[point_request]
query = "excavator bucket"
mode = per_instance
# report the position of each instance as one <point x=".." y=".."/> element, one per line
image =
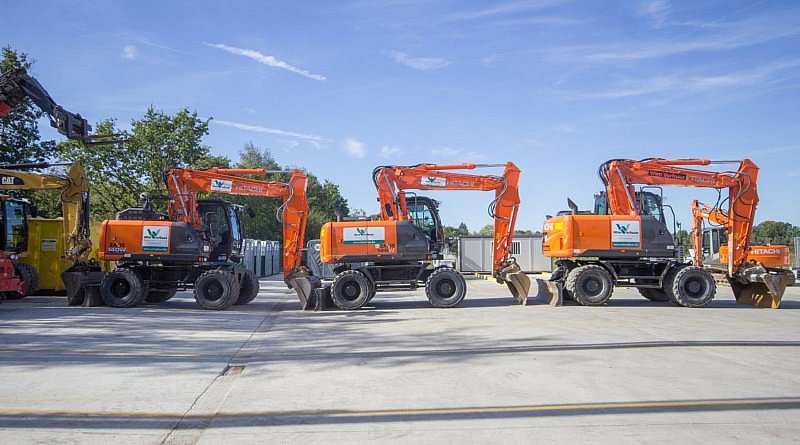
<point x="761" y="286"/>
<point x="305" y="284"/>
<point x="82" y="284"/>
<point x="517" y="281"/>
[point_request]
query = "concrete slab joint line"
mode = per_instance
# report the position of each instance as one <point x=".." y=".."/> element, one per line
<point x="193" y="423"/>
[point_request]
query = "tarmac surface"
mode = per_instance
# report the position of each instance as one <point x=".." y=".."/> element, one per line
<point x="400" y="371"/>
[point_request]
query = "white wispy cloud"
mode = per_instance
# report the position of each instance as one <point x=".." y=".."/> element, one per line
<point x="261" y="129"/>
<point x="354" y="148"/>
<point x="264" y="59"/>
<point x="456" y="155"/>
<point x="720" y="37"/>
<point x="501" y="9"/>
<point x="445" y="151"/>
<point x="656" y="11"/>
<point x="129" y="52"/>
<point x="768" y="74"/>
<point x="387" y="151"/>
<point x="419" y="63"/>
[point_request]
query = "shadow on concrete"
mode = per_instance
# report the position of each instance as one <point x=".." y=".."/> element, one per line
<point x="112" y="420"/>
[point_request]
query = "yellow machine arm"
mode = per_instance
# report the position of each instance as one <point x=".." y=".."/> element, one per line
<point x="74" y="188"/>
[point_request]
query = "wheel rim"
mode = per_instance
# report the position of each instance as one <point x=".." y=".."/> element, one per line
<point x="694" y="288"/>
<point x="592" y="287"/>
<point x="446" y="288"/>
<point x="120" y="288"/>
<point x="351" y="290"/>
<point x="213" y="291"/>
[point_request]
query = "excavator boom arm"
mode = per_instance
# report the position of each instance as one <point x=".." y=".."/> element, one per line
<point x="184" y="184"/>
<point x="16" y="85"/>
<point x="620" y="175"/>
<point x="74" y="189"/>
<point x="392" y="181"/>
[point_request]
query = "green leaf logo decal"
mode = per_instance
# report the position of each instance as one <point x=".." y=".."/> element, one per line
<point x="623" y="229"/>
<point x="153" y="233"/>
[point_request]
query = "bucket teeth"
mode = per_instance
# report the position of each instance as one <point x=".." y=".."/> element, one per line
<point x="760" y="286"/>
<point x="305" y="284"/>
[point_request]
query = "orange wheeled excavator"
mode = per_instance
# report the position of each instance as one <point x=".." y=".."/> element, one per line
<point x="198" y="243"/>
<point x="625" y="241"/>
<point x="710" y="244"/>
<point x="397" y="251"/>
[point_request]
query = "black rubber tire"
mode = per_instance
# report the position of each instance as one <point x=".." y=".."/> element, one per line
<point x="160" y="296"/>
<point x="445" y="288"/>
<point x="216" y="290"/>
<point x="654" y="294"/>
<point x="589" y="285"/>
<point x="123" y="288"/>
<point x="692" y="286"/>
<point x="248" y="287"/>
<point x="28" y="274"/>
<point x="350" y="290"/>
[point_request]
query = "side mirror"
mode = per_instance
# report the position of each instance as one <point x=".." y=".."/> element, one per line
<point x="33" y="211"/>
<point x="250" y="212"/>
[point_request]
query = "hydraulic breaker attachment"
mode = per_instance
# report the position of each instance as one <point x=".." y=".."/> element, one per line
<point x="82" y="282"/>
<point x="305" y="284"/>
<point x="518" y="283"/>
<point x="761" y="286"/>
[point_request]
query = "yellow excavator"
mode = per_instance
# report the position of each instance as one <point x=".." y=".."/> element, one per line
<point x="39" y="250"/>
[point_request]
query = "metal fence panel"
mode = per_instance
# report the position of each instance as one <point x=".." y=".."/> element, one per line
<point x="475" y="254"/>
<point x="262" y="257"/>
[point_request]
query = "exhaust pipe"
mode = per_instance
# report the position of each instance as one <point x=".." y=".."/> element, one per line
<point x="305" y="284"/>
<point x="761" y="286"/>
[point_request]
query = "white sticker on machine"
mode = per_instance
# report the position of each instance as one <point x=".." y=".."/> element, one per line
<point x="625" y="233"/>
<point x="364" y="235"/>
<point x="433" y="181"/>
<point x="155" y="238"/>
<point x="48" y="245"/>
<point x="221" y="185"/>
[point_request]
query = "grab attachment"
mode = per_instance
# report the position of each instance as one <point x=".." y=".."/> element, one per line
<point x="305" y="284"/>
<point x="761" y="286"/>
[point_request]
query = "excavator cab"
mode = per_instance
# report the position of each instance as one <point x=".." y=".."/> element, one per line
<point x="424" y="213"/>
<point x="222" y="221"/>
<point x="14" y="217"/>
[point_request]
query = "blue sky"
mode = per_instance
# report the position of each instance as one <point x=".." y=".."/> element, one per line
<point x="555" y="86"/>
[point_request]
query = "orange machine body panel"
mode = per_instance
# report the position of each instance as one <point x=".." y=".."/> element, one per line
<point x="568" y="236"/>
<point x="355" y="241"/>
<point x="769" y="256"/>
<point x="143" y="240"/>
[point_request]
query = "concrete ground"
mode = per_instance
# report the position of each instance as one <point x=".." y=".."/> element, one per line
<point x="489" y="371"/>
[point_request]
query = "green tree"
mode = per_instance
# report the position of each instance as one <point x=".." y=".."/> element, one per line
<point x="19" y="130"/>
<point x="120" y="172"/>
<point x="322" y="197"/>
<point x="453" y="232"/>
<point x="487" y="230"/>
<point x="682" y="238"/>
<point x="775" y="232"/>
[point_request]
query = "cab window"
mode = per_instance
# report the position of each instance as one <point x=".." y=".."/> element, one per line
<point x="422" y="216"/>
<point x="651" y="205"/>
<point x="15" y="236"/>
